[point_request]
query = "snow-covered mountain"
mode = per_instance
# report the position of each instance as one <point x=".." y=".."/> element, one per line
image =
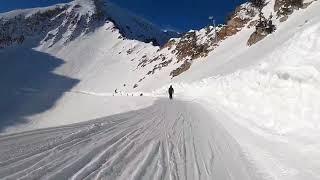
<point x="80" y="46"/>
<point x="257" y="75"/>
<point x="66" y="22"/>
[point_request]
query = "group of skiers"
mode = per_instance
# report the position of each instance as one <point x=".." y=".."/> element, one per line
<point x="170" y="91"/>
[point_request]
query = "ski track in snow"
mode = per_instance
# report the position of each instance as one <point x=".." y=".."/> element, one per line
<point x="169" y="140"/>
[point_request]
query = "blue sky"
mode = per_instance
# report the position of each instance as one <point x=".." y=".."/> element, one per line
<point x="180" y="15"/>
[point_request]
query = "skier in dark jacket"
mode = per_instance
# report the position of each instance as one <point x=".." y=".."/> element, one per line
<point x="171" y="91"/>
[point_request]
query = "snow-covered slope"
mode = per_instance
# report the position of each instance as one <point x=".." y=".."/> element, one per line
<point x="264" y="95"/>
<point x="271" y="92"/>
<point x="66" y="22"/>
<point x="82" y="46"/>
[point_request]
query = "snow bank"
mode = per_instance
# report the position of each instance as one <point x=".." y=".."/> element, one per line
<point x="278" y="95"/>
<point x="262" y="100"/>
<point x="299" y="57"/>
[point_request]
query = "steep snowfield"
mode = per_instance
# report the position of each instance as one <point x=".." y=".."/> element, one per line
<point x="281" y="72"/>
<point x="253" y="110"/>
<point x="73" y="52"/>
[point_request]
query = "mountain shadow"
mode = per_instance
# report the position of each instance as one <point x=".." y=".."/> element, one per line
<point x="28" y="85"/>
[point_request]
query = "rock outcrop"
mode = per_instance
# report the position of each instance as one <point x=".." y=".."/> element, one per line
<point x="263" y="28"/>
<point x="198" y="43"/>
<point x="243" y="14"/>
<point x="284" y="8"/>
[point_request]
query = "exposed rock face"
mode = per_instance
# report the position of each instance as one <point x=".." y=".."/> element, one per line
<point x="78" y="23"/>
<point x="19" y="28"/>
<point x="233" y="27"/>
<point x="191" y="45"/>
<point x="196" y="44"/>
<point x="253" y="23"/>
<point x="256" y="36"/>
<point x="287" y="4"/>
<point x="164" y="63"/>
<point x="51" y="25"/>
<point x="264" y="27"/>
<point x="284" y="8"/>
<point x="237" y="21"/>
<point x="184" y="67"/>
<point x="188" y="47"/>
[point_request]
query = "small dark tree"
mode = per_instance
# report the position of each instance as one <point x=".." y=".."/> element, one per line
<point x="261" y="17"/>
<point x="265" y="26"/>
<point x="259" y="4"/>
<point x="270" y="28"/>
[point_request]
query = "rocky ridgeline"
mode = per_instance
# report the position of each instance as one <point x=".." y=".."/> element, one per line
<point x="49" y="26"/>
<point x="19" y="28"/>
<point x="237" y="21"/>
<point x="196" y="44"/>
<point x="75" y="24"/>
<point x="66" y="22"/>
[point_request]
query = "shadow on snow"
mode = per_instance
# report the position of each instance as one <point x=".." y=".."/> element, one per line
<point x="28" y="85"/>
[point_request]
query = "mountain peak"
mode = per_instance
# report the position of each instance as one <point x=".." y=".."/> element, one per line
<point x="65" y="22"/>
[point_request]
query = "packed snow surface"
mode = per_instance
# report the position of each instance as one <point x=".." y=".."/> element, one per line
<point x="240" y="113"/>
<point x="168" y="140"/>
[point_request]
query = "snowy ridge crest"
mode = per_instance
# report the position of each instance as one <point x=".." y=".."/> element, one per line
<point x="65" y="22"/>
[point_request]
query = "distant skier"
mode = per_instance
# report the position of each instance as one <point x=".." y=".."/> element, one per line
<point x="171" y="91"/>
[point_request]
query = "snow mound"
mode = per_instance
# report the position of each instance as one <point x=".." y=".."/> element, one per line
<point x="298" y="58"/>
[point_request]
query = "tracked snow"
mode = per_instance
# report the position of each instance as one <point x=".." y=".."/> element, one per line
<point x="240" y="112"/>
<point x="169" y="140"/>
